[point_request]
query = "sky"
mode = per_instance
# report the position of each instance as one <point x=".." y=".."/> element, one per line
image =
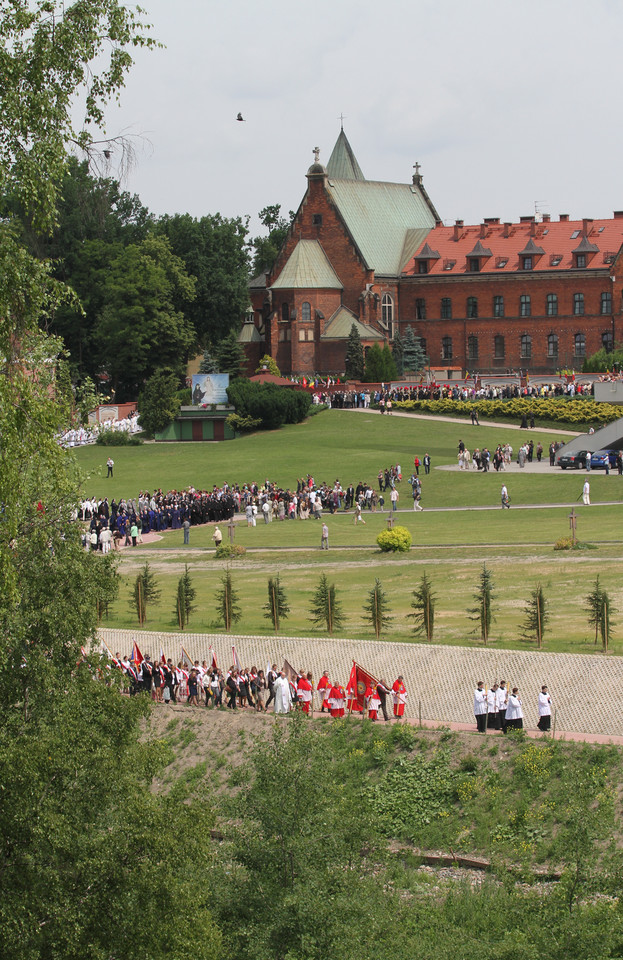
<point x="509" y="107"/>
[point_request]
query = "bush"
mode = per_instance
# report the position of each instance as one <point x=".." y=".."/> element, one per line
<point x="564" y="543"/>
<point x="272" y="405"/>
<point x="230" y="551"/>
<point x="242" y="424"/>
<point x="118" y="438"/>
<point x="397" y="540"/>
<point x="576" y="410"/>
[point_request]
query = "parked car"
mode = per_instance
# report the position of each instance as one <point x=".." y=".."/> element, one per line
<point x="575" y="461"/>
<point x="598" y="459"/>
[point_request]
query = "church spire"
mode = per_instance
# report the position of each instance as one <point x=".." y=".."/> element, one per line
<point x="342" y="163"/>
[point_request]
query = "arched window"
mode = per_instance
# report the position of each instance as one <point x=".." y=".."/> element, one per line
<point x="552" y="344"/>
<point x="472" y="308"/>
<point x="387" y="310"/>
<point x="285" y="312"/>
<point x="306" y="311"/>
<point x="526" y="346"/>
<point x="578" y="305"/>
<point x="579" y="345"/>
<point x="525" y="306"/>
<point x="472" y="347"/>
<point x="552" y="305"/>
<point x="498" y="347"/>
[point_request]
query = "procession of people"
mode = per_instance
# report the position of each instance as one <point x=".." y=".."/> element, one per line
<point x="501" y="708"/>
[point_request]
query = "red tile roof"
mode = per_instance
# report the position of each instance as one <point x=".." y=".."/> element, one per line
<point x="557" y="239"/>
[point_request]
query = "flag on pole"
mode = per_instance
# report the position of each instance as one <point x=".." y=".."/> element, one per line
<point x="236" y="658"/>
<point x="359" y="681"/>
<point x="163" y="659"/>
<point x="214" y="664"/>
<point x="107" y="652"/>
<point x="186" y="659"/>
<point x="136" y="656"/>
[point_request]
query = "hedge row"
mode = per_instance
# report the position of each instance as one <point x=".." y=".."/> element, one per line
<point x="577" y="410"/>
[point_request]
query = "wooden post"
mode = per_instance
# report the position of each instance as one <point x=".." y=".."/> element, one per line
<point x="554" y="726"/>
<point x="231" y="526"/>
<point x="419" y="710"/>
<point x="573" y="520"/>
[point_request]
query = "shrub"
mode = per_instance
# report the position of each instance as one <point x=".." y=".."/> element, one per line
<point x="242" y="424"/>
<point x="230" y="551"/>
<point x="397" y="540"/>
<point x="272" y="405"/>
<point x="564" y="543"/>
<point x="576" y="410"/>
<point x="118" y="438"/>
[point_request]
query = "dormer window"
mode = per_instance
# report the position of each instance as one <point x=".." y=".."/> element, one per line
<point x="422" y="266"/>
<point x="580" y="260"/>
<point x="527" y="263"/>
<point x="474" y="265"/>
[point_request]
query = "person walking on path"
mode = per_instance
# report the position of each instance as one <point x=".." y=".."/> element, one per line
<point x="394" y="499"/>
<point x="480" y="707"/>
<point x="506" y="500"/>
<point x="586" y="493"/>
<point x="217" y="536"/>
<point x="514" y="711"/>
<point x="545" y="710"/>
<point x="324" y="539"/>
<point x="186" y="528"/>
<point x="399" y="696"/>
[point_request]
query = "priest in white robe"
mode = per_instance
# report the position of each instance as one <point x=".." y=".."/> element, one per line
<point x="283" y="697"/>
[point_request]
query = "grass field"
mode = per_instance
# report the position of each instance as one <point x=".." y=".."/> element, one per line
<point x="450" y="544"/>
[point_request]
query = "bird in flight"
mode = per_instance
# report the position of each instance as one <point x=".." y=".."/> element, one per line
<point x="240" y="117"/>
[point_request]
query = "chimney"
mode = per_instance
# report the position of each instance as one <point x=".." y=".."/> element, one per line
<point x="564" y="217"/>
<point x="458" y="228"/>
<point x="491" y="220"/>
<point x="586" y="227"/>
<point x="483" y="231"/>
<point x="507" y="229"/>
<point x="546" y="218"/>
<point x="618" y="214"/>
<point x="526" y="219"/>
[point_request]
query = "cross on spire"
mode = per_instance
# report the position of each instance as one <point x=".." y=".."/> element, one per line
<point x="417" y="168"/>
<point x="316" y="153"/>
<point x="341" y="118"/>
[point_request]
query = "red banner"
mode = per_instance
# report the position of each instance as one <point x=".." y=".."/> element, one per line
<point x="359" y="681"/>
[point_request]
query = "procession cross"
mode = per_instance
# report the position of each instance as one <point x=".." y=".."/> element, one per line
<point x="573" y="520"/>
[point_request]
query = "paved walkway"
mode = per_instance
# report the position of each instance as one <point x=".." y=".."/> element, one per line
<point x="465" y="422"/>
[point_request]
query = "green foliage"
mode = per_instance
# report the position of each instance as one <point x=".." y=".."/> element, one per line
<point x="146" y="591"/>
<point x="270" y="364"/>
<point x="325" y="607"/>
<point x="230" y="356"/>
<point x="271" y="404"/>
<point x="377" y="608"/>
<point x="423" y="605"/>
<point x="242" y="424"/>
<point x="537" y="615"/>
<point x="398" y="353"/>
<point x="158" y="403"/>
<point x="599" y="608"/>
<point x="414" y="358"/>
<point x="267" y="248"/>
<point x="483" y="596"/>
<point x="380" y="366"/>
<point x="398" y="540"/>
<point x="603" y="362"/>
<point x="118" y="438"/>
<point x="185" y="602"/>
<point x="564" y="543"/>
<point x="354" y="362"/>
<point x="229" y="551"/>
<point x="414" y="791"/>
<point x="277" y="608"/>
<point x="208" y="363"/>
<point x="577" y="410"/>
<point x="227" y="602"/>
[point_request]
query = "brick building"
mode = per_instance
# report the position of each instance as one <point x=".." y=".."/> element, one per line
<point x="489" y="297"/>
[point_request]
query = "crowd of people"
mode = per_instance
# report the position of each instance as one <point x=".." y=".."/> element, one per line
<point x="79" y="436"/>
<point x="469" y="391"/>
<point x="499" y="708"/>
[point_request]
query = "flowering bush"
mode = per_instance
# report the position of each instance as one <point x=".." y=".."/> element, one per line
<point x="229" y="551"/>
<point x="577" y="410"/>
<point x="397" y="540"/>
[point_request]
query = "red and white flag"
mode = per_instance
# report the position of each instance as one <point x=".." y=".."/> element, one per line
<point x="214" y="664"/>
<point x="359" y="681"/>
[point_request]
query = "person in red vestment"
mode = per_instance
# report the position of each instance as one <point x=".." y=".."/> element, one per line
<point x="374" y="702"/>
<point x="304" y="690"/>
<point x="399" y="696"/>
<point x="324" y="688"/>
<point x="337" y="698"/>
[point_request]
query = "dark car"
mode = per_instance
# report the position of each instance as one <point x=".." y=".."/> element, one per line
<point x="598" y="459"/>
<point x="575" y="461"/>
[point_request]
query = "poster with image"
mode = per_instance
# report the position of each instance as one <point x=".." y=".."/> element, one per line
<point x="209" y="388"/>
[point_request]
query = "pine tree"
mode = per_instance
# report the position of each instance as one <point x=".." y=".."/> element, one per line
<point x="230" y="356"/>
<point x="423" y="604"/>
<point x="354" y="362"/>
<point x="599" y="608"/>
<point x="208" y="363"/>
<point x="414" y="358"/>
<point x="377" y="608"/>
<point x="277" y="608"/>
<point x="606" y="610"/>
<point x="186" y="594"/>
<point x="536" y="615"/>
<point x="146" y="591"/>
<point x="227" y="604"/>
<point x="481" y="613"/>
<point x="398" y="353"/>
<point x="325" y="607"/>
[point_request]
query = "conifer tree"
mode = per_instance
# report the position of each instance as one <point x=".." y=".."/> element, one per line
<point x="354" y="362"/>
<point x="208" y="363"/>
<point x="484" y="595"/>
<point x="377" y="608"/>
<point x="230" y="356"/>
<point x="423" y="605"/>
<point x="325" y="607"/>
<point x="277" y="608"/>
<point x="536" y="615"/>
<point x="146" y="591"/>
<point x="414" y="358"/>
<point x="227" y="602"/>
<point x="398" y="353"/>
<point x="599" y="608"/>
<point x="186" y="594"/>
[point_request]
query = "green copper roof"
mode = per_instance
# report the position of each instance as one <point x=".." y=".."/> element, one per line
<point x="342" y="163"/>
<point x="307" y="267"/>
<point x="340" y="324"/>
<point x="387" y="221"/>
